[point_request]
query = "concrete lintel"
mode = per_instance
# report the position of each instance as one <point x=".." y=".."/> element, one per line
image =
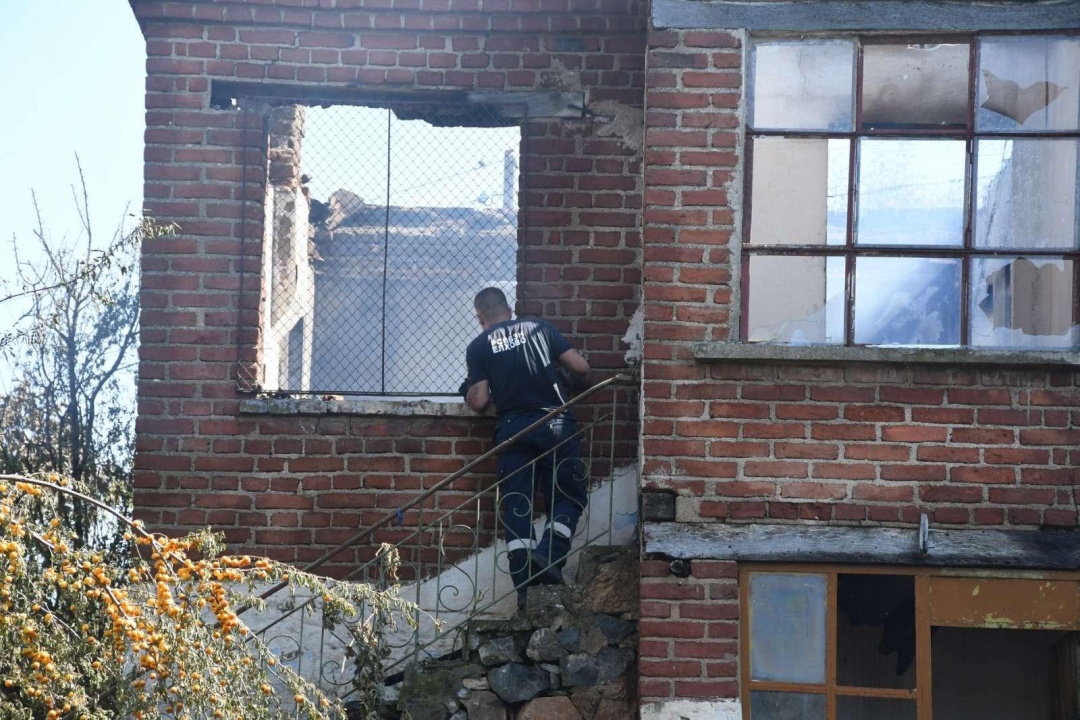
<point x="866" y="15"/>
<point x="451" y="407"/>
<point x="764" y="352"/>
<point x="1053" y="550"/>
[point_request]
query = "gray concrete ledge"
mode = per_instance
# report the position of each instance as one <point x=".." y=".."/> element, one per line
<point x="452" y="407"/>
<point x="864" y="545"/>
<point x="826" y="354"/>
<point x="866" y="15"/>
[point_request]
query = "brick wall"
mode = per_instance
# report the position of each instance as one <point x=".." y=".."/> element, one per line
<point x="294" y="486"/>
<point x="781" y="443"/>
<point x="689" y="630"/>
<point x="852" y="443"/>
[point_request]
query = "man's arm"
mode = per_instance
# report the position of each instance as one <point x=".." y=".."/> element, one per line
<point x="479" y="396"/>
<point x="578" y="368"/>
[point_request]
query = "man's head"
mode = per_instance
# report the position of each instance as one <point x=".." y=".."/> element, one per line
<point x="491" y="307"/>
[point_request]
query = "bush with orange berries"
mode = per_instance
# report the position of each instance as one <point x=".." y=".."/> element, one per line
<point x="163" y="637"/>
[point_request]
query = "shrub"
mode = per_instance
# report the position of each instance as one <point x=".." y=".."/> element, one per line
<point x="162" y="637"/>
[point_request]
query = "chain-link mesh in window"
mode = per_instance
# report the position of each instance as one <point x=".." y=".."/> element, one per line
<point x="382" y="224"/>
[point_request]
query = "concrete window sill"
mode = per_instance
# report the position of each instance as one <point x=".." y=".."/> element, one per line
<point x="720" y="352"/>
<point x="360" y="406"/>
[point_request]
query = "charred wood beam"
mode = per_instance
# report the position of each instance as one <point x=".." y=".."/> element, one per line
<point x="867" y="15"/>
<point x="440" y="108"/>
<point x="1050" y="550"/>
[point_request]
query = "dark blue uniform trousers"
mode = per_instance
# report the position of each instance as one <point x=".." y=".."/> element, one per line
<point x="548" y="460"/>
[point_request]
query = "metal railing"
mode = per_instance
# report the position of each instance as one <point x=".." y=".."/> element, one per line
<point x="460" y="571"/>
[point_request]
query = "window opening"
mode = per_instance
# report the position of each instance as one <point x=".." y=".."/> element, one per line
<point x="913" y="191"/>
<point x="868" y="644"/>
<point x="382" y="223"/>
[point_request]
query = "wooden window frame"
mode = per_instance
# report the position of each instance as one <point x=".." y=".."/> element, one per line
<point x="965" y="253"/>
<point x="927" y="615"/>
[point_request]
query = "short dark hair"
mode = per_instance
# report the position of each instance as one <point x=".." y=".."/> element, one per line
<point x="491" y="302"/>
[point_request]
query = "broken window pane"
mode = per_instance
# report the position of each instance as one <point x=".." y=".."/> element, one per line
<point x="907" y="301"/>
<point x="799" y="191"/>
<point x="984" y="673"/>
<point x="1026" y="193"/>
<point x="1028" y="84"/>
<point x="786" y="706"/>
<point x="807" y="312"/>
<point x="875" y="632"/>
<point x="804" y="86"/>
<point x="787" y="629"/>
<point x="864" y="708"/>
<point x="911" y="192"/>
<point x="915" y="86"/>
<point x="1023" y="303"/>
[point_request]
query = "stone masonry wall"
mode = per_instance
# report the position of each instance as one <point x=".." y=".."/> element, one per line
<point x="989" y="447"/>
<point x="568" y="655"/>
<point x="291" y="485"/>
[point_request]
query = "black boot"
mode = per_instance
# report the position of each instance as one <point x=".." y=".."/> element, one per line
<point x="549" y="557"/>
<point x="518" y="560"/>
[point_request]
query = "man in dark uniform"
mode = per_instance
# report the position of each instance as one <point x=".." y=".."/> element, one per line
<point x="515" y="365"/>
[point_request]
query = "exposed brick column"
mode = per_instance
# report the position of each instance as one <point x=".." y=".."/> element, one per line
<point x="692" y="159"/>
<point x="689" y="632"/>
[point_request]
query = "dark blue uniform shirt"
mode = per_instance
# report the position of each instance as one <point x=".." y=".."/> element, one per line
<point x="519" y="360"/>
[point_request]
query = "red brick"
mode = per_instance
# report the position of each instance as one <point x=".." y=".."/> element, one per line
<point x="891" y="453"/>
<point x="981" y="436"/>
<point x="774" y="468"/>
<point x="707" y="689"/>
<point x="710" y="650"/>
<point x="944" y="416"/>
<point x="874" y="413"/>
<point x="714" y="569"/>
<point x="709" y="611"/>
<point x="672" y="591"/>
<point x="814" y="491"/>
<point x="815" y="451"/>
<point x="982" y="396"/>
<point x="913" y="396"/>
<point x="842" y="394"/>
<point x="1060" y="517"/>
<point x="668" y="668"/>
<point x="950" y="515"/>
<point x="744" y="488"/>
<point x="913" y="434"/>
<point x="649" y="628"/>
<point x="950" y="494"/>
<point x="988" y="516"/>
<point x="1051" y="476"/>
<point x="1022" y="496"/>
<point x="1070" y="438"/>
<point x="843" y="471"/>
<point x="946" y="454"/>
<point x="882" y="493"/>
<point x="983" y="475"/>
<point x="843" y="432"/>
<point x="921" y="473"/>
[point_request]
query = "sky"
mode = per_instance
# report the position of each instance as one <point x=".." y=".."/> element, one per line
<point x="73" y="83"/>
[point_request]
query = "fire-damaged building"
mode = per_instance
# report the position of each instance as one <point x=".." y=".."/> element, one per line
<point x="822" y="256"/>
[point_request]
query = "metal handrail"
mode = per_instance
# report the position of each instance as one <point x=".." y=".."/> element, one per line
<point x="618" y="379"/>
